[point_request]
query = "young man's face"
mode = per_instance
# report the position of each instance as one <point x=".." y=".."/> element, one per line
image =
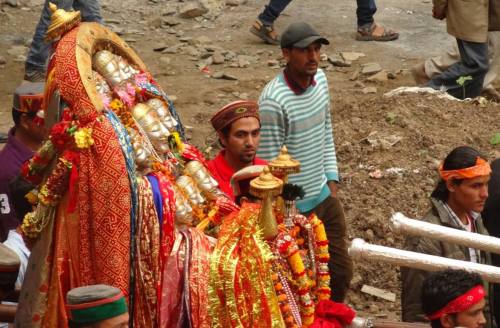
<point x="470" y="194"/>
<point x="303" y="61"/>
<point x="472" y="318"/>
<point x="242" y="140"/>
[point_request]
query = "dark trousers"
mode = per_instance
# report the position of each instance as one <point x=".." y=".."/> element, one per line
<point x="330" y="211"/>
<point x="473" y="64"/>
<point x="365" y="11"/>
<point x="39" y="50"/>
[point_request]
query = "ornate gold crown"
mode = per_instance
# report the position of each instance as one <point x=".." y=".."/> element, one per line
<point x="61" y="22"/>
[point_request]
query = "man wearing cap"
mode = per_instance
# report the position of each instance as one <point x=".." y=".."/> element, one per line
<point x="295" y="111"/>
<point x="97" y="306"/>
<point x="454" y="298"/>
<point x="25" y="137"/>
<point x="238" y="128"/>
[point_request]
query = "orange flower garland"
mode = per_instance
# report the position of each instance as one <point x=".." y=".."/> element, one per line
<point x="323" y="291"/>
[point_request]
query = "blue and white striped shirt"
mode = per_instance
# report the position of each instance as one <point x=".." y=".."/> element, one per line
<point x="303" y="123"/>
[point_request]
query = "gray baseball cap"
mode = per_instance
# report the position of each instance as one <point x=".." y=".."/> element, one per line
<point x="300" y="35"/>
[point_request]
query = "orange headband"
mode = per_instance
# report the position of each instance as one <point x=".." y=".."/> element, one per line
<point x="481" y="168"/>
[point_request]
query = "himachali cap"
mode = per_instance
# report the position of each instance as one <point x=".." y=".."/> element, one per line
<point x="28" y="97"/>
<point x="9" y="267"/>
<point x="240" y="181"/>
<point x="234" y="111"/>
<point x="95" y="303"/>
<point x="300" y="35"/>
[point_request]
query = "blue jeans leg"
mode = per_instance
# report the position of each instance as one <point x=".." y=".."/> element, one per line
<point x="39" y="51"/>
<point x="365" y="11"/>
<point x="272" y="11"/>
<point x="474" y="63"/>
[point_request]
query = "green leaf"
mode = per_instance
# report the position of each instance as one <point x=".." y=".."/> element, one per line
<point x="495" y="139"/>
<point x="462" y="79"/>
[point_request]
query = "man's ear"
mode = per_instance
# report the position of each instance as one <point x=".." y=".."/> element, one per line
<point x="25" y="122"/>
<point x="447" y="321"/>
<point x="222" y="139"/>
<point x="286" y="54"/>
<point x="450" y="185"/>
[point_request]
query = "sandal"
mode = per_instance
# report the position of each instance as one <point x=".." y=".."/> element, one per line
<point x="376" y="32"/>
<point x="266" y="33"/>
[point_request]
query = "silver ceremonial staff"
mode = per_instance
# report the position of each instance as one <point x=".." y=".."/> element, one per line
<point x="361" y="250"/>
<point x="403" y="225"/>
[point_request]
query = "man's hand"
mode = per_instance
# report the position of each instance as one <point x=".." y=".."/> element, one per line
<point x="333" y="188"/>
<point x="439" y="12"/>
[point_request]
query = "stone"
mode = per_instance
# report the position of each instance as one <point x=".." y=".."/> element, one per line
<point x="192" y="10"/>
<point x="17" y="51"/>
<point x="359" y="84"/>
<point x="354" y="75"/>
<point x="351" y="56"/>
<point x="12" y="3"/>
<point x="2" y="60"/>
<point x="323" y="57"/>
<point x="224" y="76"/>
<point x="171" y="21"/>
<point x="161" y="47"/>
<point x="379" y="77"/>
<point x="243" y="61"/>
<point x="218" y="58"/>
<point x="165" y="60"/>
<point x="213" y="7"/>
<point x="218" y="75"/>
<point x="337" y="60"/>
<point x="191" y="51"/>
<point x="185" y="39"/>
<point x="370" y="68"/>
<point x="171" y="50"/>
<point x="200" y="40"/>
<point x="232" y="3"/>
<point x="156" y="22"/>
<point x="369" y="90"/>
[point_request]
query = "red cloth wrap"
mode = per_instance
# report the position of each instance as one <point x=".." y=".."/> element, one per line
<point x="330" y="314"/>
<point x="461" y="303"/>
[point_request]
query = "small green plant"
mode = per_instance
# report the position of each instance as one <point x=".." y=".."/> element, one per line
<point x="461" y="82"/>
<point x="495" y="139"/>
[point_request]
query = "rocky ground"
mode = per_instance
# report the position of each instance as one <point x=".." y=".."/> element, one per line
<point x="388" y="148"/>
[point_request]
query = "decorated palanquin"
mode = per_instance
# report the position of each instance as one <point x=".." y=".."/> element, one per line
<point x="119" y="192"/>
<point x="264" y="273"/>
<point x="122" y="199"/>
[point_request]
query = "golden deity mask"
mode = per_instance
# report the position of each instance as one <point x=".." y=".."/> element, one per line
<point x="190" y="189"/>
<point x="203" y="179"/>
<point x="114" y="69"/>
<point x="149" y="120"/>
<point x="162" y="109"/>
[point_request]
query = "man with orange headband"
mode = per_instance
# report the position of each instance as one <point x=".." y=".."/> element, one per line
<point x="238" y="128"/>
<point x="456" y="202"/>
<point x="454" y="298"/>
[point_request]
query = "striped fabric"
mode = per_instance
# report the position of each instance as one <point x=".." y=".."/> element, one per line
<point x="302" y="123"/>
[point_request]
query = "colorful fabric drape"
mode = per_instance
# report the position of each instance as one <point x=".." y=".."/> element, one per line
<point x="147" y="271"/>
<point x="241" y="291"/>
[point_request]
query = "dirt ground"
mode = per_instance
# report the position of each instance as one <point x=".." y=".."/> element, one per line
<point x="425" y="127"/>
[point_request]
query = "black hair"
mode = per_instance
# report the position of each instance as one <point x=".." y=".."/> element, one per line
<point x="459" y="158"/>
<point x="225" y="132"/>
<point x="16" y="116"/>
<point x="441" y="287"/>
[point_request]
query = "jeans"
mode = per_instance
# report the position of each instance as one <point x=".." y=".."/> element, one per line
<point x="90" y="11"/>
<point x="474" y="63"/>
<point x="330" y="211"/>
<point x="365" y="11"/>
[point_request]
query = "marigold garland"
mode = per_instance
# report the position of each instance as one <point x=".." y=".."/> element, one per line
<point x="323" y="291"/>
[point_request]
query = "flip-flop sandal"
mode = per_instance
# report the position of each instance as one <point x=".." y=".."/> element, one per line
<point x="376" y="33"/>
<point x="266" y="33"/>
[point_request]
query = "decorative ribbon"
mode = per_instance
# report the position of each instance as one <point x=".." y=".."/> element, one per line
<point x="481" y="168"/>
<point x="461" y="303"/>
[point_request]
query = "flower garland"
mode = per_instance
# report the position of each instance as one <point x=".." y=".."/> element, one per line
<point x="289" y="250"/>
<point x="34" y="169"/>
<point x="323" y="291"/>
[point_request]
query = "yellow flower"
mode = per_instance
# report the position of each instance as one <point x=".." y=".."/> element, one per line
<point x="83" y="138"/>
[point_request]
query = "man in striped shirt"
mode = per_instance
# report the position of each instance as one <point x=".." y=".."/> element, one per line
<point x="295" y="111"/>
